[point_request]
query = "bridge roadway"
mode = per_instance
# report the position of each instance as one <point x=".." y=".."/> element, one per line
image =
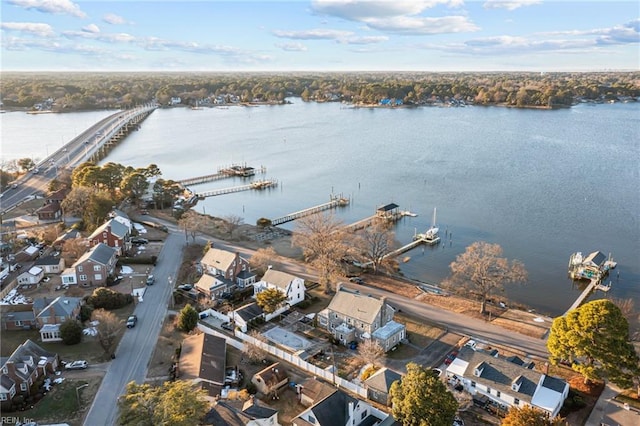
<point x="78" y="150"/>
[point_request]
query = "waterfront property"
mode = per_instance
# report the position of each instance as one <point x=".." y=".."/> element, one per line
<point x="290" y="285"/>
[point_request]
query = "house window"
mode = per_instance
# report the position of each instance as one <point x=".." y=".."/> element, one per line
<point x="364" y="414"/>
<point x="83" y="277"/>
<point x="312" y="419"/>
<point x="489" y="391"/>
<point x="80" y="268"/>
<point x="98" y="277"/>
<point x="97" y="268"/>
<point x="23" y="386"/>
<point x="3" y="397"/>
<point x="5" y="370"/>
<point x="516" y="401"/>
<point x="498" y="394"/>
<point x="473" y="384"/>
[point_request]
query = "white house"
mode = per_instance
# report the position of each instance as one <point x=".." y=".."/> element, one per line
<point x="507" y="383"/>
<point x="32" y="276"/>
<point x="290" y="285"/>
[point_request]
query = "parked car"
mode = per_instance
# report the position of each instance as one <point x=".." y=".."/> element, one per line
<point x="185" y="287"/>
<point x="46" y="279"/>
<point x="132" y="321"/>
<point x="77" y="365"/>
<point x="356" y="280"/>
<point x="151" y="279"/>
<point x="139" y="241"/>
<point x="449" y="359"/>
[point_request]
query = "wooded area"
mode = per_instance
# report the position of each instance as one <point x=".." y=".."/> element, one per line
<point x="90" y="91"/>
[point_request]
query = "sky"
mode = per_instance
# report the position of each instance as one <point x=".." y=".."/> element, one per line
<point x="320" y="35"/>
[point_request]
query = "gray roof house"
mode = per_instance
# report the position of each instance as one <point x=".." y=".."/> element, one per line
<point x="94" y="266"/>
<point x="379" y="383"/>
<point x="354" y="316"/>
<point x="19" y="371"/>
<point x="507" y="383"/>
<point x="51" y="313"/>
<point x="244" y="314"/>
<point x="203" y="361"/>
<point x="51" y="264"/>
<point x="112" y="233"/>
<point x="247" y="413"/>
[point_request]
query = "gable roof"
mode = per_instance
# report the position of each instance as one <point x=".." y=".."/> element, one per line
<point x="382" y="379"/>
<point x="219" y="259"/>
<point x="597" y="258"/>
<point x="100" y="253"/>
<point x="120" y="213"/>
<point x="226" y="414"/>
<point x="48" y="261"/>
<point x="206" y="282"/>
<point x="203" y="356"/>
<point x="333" y="410"/>
<point x="388" y="207"/>
<point x="117" y="228"/>
<point x="355" y="305"/>
<point x="273" y="374"/>
<point x="60" y="306"/>
<point x="249" y="312"/>
<point x="316" y="390"/>
<point x="49" y="208"/>
<point x="27" y="349"/>
<point x="278" y="278"/>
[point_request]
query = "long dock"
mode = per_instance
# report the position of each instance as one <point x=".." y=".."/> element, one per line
<point x="594" y="284"/>
<point x="334" y="203"/>
<point x="368" y="221"/>
<point x="224" y="173"/>
<point x="259" y="184"/>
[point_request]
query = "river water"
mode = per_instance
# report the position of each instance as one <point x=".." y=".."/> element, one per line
<point x="542" y="184"/>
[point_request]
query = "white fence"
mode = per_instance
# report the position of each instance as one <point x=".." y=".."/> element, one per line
<point x="290" y="358"/>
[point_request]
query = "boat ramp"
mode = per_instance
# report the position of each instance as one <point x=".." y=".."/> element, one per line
<point x="334" y="202"/>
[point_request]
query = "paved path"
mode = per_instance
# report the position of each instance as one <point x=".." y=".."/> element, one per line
<point x="136" y="347"/>
<point x="609" y="412"/>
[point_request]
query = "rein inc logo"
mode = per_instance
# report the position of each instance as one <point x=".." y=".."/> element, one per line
<point x="19" y="421"/>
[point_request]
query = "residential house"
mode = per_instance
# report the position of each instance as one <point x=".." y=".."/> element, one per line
<point x="112" y="233"/>
<point x="21" y="370"/>
<point x="241" y="413"/>
<point x="202" y="361"/>
<point x="340" y="409"/>
<point x="353" y="316"/>
<point x="50" y="264"/>
<point x="123" y="218"/>
<point x="212" y="287"/>
<point x="52" y="209"/>
<point x="33" y="276"/>
<point x="290" y="285"/>
<point x="245" y="314"/>
<point x="17" y="317"/>
<point x="71" y="235"/>
<point x="313" y="390"/>
<point x="51" y="313"/>
<point x="507" y="383"/>
<point x="93" y="267"/>
<point x="379" y="384"/>
<point x="271" y="379"/>
<point x="228" y="266"/>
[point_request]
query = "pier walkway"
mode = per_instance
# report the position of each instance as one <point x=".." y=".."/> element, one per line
<point x="259" y="184"/>
<point x="224" y="173"/>
<point x="334" y="203"/>
<point x="594" y="284"/>
<point x="368" y="221"/>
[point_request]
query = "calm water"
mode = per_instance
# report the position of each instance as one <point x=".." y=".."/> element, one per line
<point x="542" y="184"/>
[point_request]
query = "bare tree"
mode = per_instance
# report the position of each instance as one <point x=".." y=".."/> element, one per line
<point x="254" y="352"/>
<point x="627" y="307"/>
<point x="370" y="352"/>
<point x="191" y="222"/>
<point x="262" y="259"/>
<point x="482" y="271"/>
<point x="76" y="202"/>
<point x="321" y="238"/>
<point x="374" y="243"/>
<point x="74" y="248"/>
<point x="109" y="325"/>
<point x="232" y="222"/>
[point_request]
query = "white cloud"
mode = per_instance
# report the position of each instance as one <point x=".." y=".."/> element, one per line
<point x="423" y="26"/>
<point x="113" y="19"/>
<point x="57" y="7"/>
<point x="292" y="47"/>
<point x="509" y="4"/>
<point x="38" y="29"/>
<point x="363" y="39"/>
<point x="315" y="34"/>
<point x="91" y="28"/>
<point x="359" y="10"/>
<point x="628" y="33"/>
<point x="103" y="37"/>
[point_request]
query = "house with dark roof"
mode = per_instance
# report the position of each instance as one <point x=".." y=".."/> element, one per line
<point x="17" y="317"/>
<point x="507" y="383"/>
<point x="50" y="264"/>
<point x="313" y="390"/>
<point x="50" y="314"/>
<point x="51" y="210"/>
<point x="70" y="235"/>
<point x="245" y="314"/>
<point x="122" y="217"/>
<point x="338" y="409"/>
<point x="203" y="362"/>
<point x="243" y="413"/>
<point x="21" y="370"/>
<point x="93" y="267"/>
<point x="353" y="316"/>
<point x="112" y="233"/>
<point x="290" y="285"/>
<point x="227" y="265"/>
<point x="269" y="380"/>
<point x="379" y="384"/>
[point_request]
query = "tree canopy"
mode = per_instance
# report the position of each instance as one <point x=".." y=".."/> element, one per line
<point x="482" y="271"/>
<point x="595" y="339"/>
<point x="270" y="299"/>
<point x="175" y="403"/>
<point x="108" y="328"/>
<point x="530" y="416"/>
<point x="188" y="318"/>
<point x="422" y="399"/>
<point x="71" y="332"/>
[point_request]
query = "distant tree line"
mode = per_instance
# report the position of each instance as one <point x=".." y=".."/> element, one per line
<point x="90" y="91"/>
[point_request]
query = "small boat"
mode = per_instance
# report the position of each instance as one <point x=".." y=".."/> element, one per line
<point x="431" y="236"/>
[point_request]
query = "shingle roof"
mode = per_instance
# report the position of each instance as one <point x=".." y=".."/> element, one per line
<point x="27" y="350"/>
<point x="333" y="410"/>
<point x="388" y="330"/>
<point x="206" y="282"/>
<point x="249" y="312"/>
<point x="316" y="390"/>
<point x="273" y="374"/>
<point x="48" y="261"/>
<point x="382" y="379"/>
<point x="554" y="383"/>
<point x="278" y="278"/>
<point x="355" y="305"/>
<point x="219" y="259"/>
<point x="61" y="306"/>
<point x="100" y="253"/>
<point x="117" y="228"/>
<point x="203" y="356"/>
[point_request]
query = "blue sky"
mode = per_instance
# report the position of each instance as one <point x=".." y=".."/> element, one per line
<point x="320" y="35"/>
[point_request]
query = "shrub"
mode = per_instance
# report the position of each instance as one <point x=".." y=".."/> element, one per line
<point x="71" y="332"/>
<point x="140" y="260"/>
<point x="263" y="222"/>
<point x="104" y="298"/>
<point x="85" y="312"/>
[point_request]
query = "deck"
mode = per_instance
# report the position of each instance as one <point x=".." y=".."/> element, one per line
<point x="258" y="185"/>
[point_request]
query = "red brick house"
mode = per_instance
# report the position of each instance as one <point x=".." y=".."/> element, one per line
<point x="51" y="209"/>
<point x="93" y="267"/>
<point x="21" y="370"/>
<point x="228" y="266"/>
<point x="112" y="233"/>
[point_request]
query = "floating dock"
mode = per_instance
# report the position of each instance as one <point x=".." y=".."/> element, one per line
<point x="259" y="184"/>
<point x="334" y="203"/>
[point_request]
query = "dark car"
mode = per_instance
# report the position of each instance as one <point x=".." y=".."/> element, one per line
<point x="356" y="280"/>
<point x="132" y="321"/>
<point x="139" y="241"/>
<point x="185" y="287"/>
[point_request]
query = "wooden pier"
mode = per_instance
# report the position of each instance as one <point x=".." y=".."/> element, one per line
<point x="259" y="184"/>
<point x="594" y="284"/>
<point x="368" y="221"/>
<point x="334" y="203"/>
<point x="224" y="173"/>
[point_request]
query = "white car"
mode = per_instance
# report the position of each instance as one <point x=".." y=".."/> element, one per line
<point x="77" y="365"/>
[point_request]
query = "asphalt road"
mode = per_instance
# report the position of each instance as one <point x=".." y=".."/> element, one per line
<point x="136" y="347"/>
